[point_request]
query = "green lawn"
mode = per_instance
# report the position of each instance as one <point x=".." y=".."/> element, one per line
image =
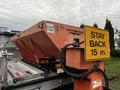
<point x="112" y="67"/>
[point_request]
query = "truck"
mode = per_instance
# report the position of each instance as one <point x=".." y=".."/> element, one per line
<point x="57" y="55"/>
<point x="40" y="62"/>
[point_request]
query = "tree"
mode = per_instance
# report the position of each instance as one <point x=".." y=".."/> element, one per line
<point x="82" y="26"/>
<point x="117" y="38"/>
<point x="95" y="25"/>
<point x="118" y="42"/>
<point x="108" y="26"/>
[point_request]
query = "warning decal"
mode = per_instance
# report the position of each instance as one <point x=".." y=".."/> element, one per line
<point x="96" y="44"/>
<point x="50" y="28"/>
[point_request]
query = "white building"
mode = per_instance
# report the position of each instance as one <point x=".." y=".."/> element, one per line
<point x="3" y="29"/>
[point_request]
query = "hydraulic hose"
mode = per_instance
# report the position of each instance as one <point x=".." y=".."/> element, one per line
<point x="95" y="68"/>
<point x="62" y="60"/>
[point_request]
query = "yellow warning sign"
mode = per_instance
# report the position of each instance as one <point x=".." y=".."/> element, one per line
<point x="97" y="45"/>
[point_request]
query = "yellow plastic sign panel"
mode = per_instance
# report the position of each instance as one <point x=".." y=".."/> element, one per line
<point x="97" y="45"/>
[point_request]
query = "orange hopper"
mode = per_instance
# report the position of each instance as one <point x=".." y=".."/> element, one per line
<point x="45" y="39"/>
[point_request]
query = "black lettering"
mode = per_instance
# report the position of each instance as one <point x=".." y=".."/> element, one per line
<point x="102" y="36"/>
<point x="102" y="52"/>
<point x="92" y="34"/>
<point x="94" y="52"/>
<point x="91" y="43"/>
<point x="97" y="35"/>
<point x="100" y="44"/>
<point x="104" y="44"/>
<point x="97" y="43"/>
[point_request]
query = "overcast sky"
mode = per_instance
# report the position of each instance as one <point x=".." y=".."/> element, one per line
<point x="20" y="14"/>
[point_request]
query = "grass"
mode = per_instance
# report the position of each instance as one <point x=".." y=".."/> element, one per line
<point x="112" y="67"/>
